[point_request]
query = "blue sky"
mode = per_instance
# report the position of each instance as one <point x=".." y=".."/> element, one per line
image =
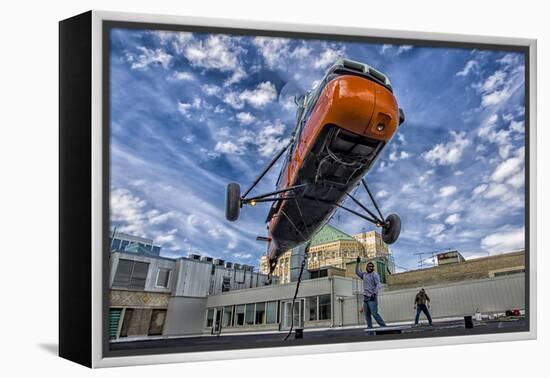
<point x="191" y="112"/>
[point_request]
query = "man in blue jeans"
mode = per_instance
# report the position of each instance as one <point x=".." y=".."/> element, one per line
<point x="371" y="286"/>
<point x="422" y="304"/>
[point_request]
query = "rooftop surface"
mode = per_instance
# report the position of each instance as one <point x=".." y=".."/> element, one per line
<point x="310" y="337"/>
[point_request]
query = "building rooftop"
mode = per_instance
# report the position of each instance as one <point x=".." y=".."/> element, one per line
<point x="329" y="234"/>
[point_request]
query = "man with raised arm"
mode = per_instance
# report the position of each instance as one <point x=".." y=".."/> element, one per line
<point x="371" y="286"/>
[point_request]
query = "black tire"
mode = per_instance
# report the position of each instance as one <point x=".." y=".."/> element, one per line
<point x="392" y="229"/>
<point x="233" y="202"/>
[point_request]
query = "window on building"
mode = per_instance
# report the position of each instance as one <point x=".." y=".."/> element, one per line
<point x="115" y="245"/>
<point x="209" y="317"/>
<point x="124" y="244"/>
<point x="227" y="316"/>
<point x="312" y="308"/>
<point x="271" y="315"/>
<point x="324" y="307"/>
<point x="156" y="249"/>
<point x="249" y="314"/>
<point x="260" y="313"/>
<point x="131" y="274"/>
<point x="163" y="277"/>
<point x="226" y="284"/>
<point x="239" y="315"/>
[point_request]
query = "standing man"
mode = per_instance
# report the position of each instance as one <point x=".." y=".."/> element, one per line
<point x="371" y="286"/>
<point x="422" y="304"/>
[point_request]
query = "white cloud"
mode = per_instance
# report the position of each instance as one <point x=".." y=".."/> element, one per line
<point x="148" y="58"/>
<point x="167" y="237"/>
<point x="268" y="141"/>
<point x="394" y="50"/>
<point x="455" y="206"/>
<point x="127" y="208"/>
<point x="435" y="231"/>
<point x="237" y="76"/>
<point x="382" y="194"/>
<point x="449" y="153"/>
<point x="328" y="57"/>
<point x="273" y="50"/>
<point x="211" y="90"/>
<point x="493" y="82"/>
<point x="502" y="138"/>
<point x="242" y="255"/>
<point x="507" y="168"/>
<point x="507" y="240"/>
<point x="447" y="191"/>
<point x="263" y="94"/>
<point x="425" y="175"/>
<point x="453" y="219"/>
<point x="155" y="217"/>
<point x="403" y="48"/>
<point x="497" y="88"/>
<point x="300" y="52"/>
<point x="471" y="66"/>
<point x="129" y="212"/>
<point x="394" y="155"/>
<point x="187" y="108"/>
<point x="518" y="180"/>
<point x="228" y="147"/>
<point x="217" y="52"/>
<point x="216" y="233"/>
<point x="184" y="76"/>
<point x="435" y="215"/>
<point x="496" y="190"/>
<point x="245" y="118"/>
<point x="479" y="189"/>
<point x="517" y="126"/>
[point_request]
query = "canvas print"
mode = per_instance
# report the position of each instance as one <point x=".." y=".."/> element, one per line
<point x="272" y="189"/>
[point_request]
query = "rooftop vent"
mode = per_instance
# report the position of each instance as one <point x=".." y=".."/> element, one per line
<point x="194" y="257"/>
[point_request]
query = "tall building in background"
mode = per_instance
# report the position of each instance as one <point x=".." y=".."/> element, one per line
<point x="331" y="247"/>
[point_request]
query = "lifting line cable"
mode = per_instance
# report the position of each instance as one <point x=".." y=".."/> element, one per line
<point x="299" y="278"/>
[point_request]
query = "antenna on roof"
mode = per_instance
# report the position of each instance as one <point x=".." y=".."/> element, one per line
<point x="112" y="239"/>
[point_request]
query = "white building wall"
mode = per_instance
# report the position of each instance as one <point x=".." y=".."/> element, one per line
<point x="492" y="295"/>
<point x="155" y="264"/>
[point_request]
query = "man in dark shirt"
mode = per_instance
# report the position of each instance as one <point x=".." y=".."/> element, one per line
<point x="371" y="286"/>
<point x="422" y="304"/>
